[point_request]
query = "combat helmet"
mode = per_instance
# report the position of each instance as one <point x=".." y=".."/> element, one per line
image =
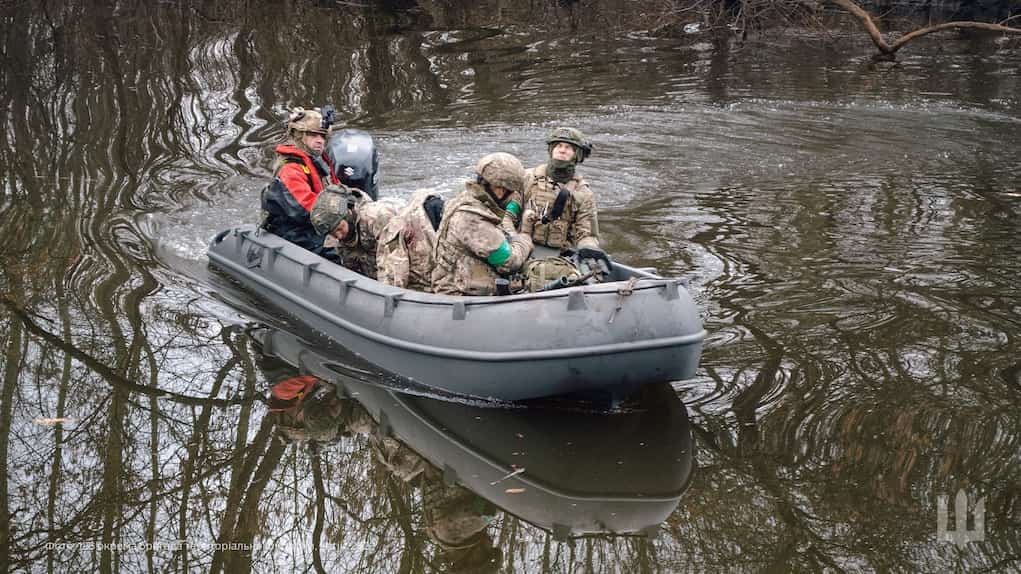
<point x="573" y="136"/>
<point x="330" y="208"/>
<point x="313" y="121"/>
<point x="501" y="170"/>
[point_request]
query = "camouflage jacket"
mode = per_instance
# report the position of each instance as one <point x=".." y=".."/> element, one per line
<point x="468" y="237"/>
<point x="405" y="253"/>
<point x="576" y="227"/>
<point x="358" y="251"/>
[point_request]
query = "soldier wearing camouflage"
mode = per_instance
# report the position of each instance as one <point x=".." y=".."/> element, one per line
<point x="472" y="250"/>
<point x="404" y="256"/>
<point x="366" y="219"/>
<point x="573" y="223"/>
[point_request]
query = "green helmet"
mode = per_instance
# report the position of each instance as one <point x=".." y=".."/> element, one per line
<point x="320" y="422"/>
<point x="573" y="136"/>
<point x="502" y="170"/>
<point x="330" y="208"/>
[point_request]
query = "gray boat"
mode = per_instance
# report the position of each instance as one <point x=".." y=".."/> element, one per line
<point x="572" y="472"/>
<point x="613" y="337"/>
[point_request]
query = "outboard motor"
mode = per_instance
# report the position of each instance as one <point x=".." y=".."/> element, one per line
<point x="355" y="161"/>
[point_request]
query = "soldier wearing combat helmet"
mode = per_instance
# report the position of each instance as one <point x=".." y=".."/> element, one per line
<point x="564" y="204"/>
<point x="472" y="251"/>
<point x="302" y="174"/>
<point x="352" y="229"/>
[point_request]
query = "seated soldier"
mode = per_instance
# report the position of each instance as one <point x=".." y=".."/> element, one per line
<point x="302" y="173"/>
<point x="351" y="223"/>
<point x="472" y="251"/>
<point x="405" y="252"/>
<point x="565" y="206"/>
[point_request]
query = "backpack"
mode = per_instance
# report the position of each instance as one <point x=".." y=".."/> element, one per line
<point x="549" y="273"/>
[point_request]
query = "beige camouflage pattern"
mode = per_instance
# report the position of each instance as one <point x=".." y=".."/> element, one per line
<point x="404" y="257"/>
<point x="469" y="233"/>
<point x="302" y="120"/>
<point x="358" y="251"/>
<point x="501" y="169"/>
<point x="540" y="273"/>
<point x="577" y="226"/>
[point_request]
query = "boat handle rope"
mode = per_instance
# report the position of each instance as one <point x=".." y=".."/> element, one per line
<point x="624" y="291"/>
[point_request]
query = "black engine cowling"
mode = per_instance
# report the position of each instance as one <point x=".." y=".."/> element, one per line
<point x="355" y="160"/>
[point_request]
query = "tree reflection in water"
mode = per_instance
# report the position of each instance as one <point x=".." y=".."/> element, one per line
<point x="851" y="232"/>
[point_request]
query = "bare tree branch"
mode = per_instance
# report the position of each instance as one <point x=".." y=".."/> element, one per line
<point x="890" y="49"/>
<point x="930" y="29"/>
<point x="110" y="375"/>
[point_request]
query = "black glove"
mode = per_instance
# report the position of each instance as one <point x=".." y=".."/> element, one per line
<point x="595" y="254"/>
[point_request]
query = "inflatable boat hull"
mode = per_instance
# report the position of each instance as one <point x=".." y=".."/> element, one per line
<point x="612" y="337"/>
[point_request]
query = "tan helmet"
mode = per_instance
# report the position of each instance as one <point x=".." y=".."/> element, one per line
<point x="502" y="170"/>
<point x="302" y="120"/>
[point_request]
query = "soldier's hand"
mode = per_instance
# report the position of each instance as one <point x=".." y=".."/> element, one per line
<point x="528" y="219"/>
<point x="590" y="256"/>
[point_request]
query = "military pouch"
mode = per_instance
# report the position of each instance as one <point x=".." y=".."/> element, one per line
<point x="558" y="234"/>
<point x="549" y="273"/>
<point x="480" y="280"/>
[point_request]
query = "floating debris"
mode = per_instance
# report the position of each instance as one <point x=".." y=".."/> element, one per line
<point x="52" y="422"/>
<point x="515" y="473"/>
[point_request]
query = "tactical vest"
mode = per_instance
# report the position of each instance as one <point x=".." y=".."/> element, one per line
<point x="404" y="255"/>
<point x="541" y="195"/>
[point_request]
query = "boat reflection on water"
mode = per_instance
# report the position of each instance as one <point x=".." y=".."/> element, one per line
<point x="572" y="471"/>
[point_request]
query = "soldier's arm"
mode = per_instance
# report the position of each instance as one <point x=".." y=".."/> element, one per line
<point x="512" y="215"/>
<point x="392" y="259"/>
<point x="586" y="223"/>
<point x="399" y="263"/>
<point x="520" y="245"/>
<point x="489" y="243"/>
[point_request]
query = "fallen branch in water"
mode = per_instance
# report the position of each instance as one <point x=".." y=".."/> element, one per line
<point x="890" y="49"/>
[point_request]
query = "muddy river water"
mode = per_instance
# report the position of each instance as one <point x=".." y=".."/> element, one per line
<point x="849" y="230"/>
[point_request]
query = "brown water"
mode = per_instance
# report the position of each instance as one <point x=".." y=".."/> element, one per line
<point x="850" y="231"/>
